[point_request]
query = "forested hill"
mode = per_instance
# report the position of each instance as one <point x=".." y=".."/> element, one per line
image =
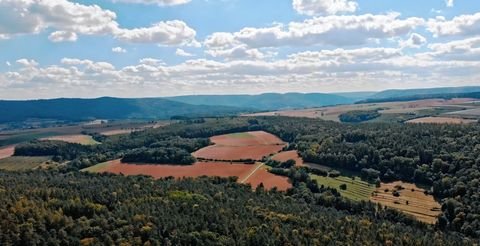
<point x="423" y="97"/>
<point x="105" y="108"/>
<point x="268" y="101"/>
<point x="427" y="91"/>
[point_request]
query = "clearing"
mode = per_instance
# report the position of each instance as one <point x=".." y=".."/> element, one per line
<point x="16" y="163"/>
<point x="411" y="200"/>
<point x="7" y="151"/>
<point x="357" y="189"/>
<point x="441" y="120"/>
<point x="80" y="139"/>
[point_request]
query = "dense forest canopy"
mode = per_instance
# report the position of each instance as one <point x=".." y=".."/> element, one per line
<point x="443" y="157"/>
<point x="45" y="207"/>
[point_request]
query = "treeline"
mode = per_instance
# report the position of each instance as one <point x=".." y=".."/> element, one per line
<point x="52" y="208"/>
<point x="358" y="116"/>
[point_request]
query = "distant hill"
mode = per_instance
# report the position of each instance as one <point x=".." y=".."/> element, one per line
<point x="356" y="95"/>
<point x="426" y="91"/>
<point x="105" y="108"/>
<point x="422" y="97"/>
<point x="268" y="101"/>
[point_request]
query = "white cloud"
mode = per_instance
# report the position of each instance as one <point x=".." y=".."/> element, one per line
<point x="63" y="36"/>
<point x="329" y="30"/>
<point x="324" y="7"/>
<point x="464" y="25"/>
<point x="181" y="52"/>
<point x="158" y="2"/>
<point x="8" y="63"/>
<point x="166" y="33"/>
<point x="119" y="50"/>
<point x="68" y="19"/>
<point x="449" y="3"/>
<point x="324" y="70"/>
<point x="415" y="41"/>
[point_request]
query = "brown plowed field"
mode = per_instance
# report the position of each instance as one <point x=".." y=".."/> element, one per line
<point x="7" y="151"/>
<point x="247" y="139"/>
<point x="227" y="153"/>
<point x="289" y="155"/>
<point x="421" y="206"/>
<point x="251" y="174"/>
<point x="241" y="146"/>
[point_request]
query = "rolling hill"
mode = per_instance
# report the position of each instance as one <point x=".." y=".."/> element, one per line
<point x="426" y="91"/>
<point x="105" y="108"/>
<point x="267" y="101"/>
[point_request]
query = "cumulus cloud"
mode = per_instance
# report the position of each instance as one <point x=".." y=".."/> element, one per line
<point x="181" y="52"/>
<point x="328" y="30"/>
<point x="63" y="36"/>
<point x="327" y="70"/>
<point x="449" y="3"/>
<point x="324" y="7"/>
<point x="464" y="25"/>
<point x="415" y="41"/>
<point x="119" y="50"/>
<point x="69" y="19"/>
<point x="158" y="2"/>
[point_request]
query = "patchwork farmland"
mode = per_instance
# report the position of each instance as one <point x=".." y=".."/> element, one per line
<point x="80" y="139"/>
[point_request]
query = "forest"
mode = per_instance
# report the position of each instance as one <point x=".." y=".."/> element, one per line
<point x="73" y="208"/>
<point x="445" y="158"/>
<point x="359" y="116"/>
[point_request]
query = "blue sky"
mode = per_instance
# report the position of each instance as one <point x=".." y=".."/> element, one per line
<point x="136" y="48"/>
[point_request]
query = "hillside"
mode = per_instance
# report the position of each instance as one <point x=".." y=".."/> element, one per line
<point x="105" y="108"/>
<point x="426" y="91"/>
<point x="268" y="101"/>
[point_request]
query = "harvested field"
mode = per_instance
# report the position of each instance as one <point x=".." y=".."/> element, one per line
<point x="7" y="151"/>
<point x="231" y="153"/>
<point x="411" y="200"/>
<point x="441" y="120"/>
<point x="247" y="139"/>
<point x="17" y="163"/>
<point x="246" y="173"/>
<point x="261" y="175"/>
<point x="80" y="139"/>
<point x="468" y="112"/>
<point x="289" y="155"/>
<point x="117" y="132"/>
<point x="241" y="146"/>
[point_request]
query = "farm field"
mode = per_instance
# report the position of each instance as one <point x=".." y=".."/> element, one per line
<point x="16" y="163"/>
<point x="357" y="189"/>
<point x="390" y="110"/>
<point x="7" y="151"/>
<point x="412" y="200"/>
<point x="111" y="128"/>
<point x="288" y="155"/>
<point x="253" y="174"/>
<point x="241" y="146"/>
<point x="80" y="139"/>
<point x="441" y="120"/>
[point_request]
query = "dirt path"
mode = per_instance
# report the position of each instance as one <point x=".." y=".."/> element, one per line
<point x="253" y="172"/>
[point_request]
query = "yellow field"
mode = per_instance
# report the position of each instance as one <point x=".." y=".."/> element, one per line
<point x="412" y="200"/>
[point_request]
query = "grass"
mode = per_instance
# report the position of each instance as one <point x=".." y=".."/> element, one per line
<point x="357" y="189"/>
<point x="96" y="168"/>
<point x="16" y="163"/>
<point x="25" y="137"/>
<point x="241" y="135"/>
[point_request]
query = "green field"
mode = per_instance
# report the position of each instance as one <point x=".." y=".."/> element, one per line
<point x="240" y="135"/>
<point x="357" y="189"/>
<point x="23" y="137"/>
<point x="16" y="163"/>
<point x="96" y="168"/>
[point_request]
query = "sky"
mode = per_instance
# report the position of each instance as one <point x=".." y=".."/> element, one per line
<point x="154" y="48"/>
